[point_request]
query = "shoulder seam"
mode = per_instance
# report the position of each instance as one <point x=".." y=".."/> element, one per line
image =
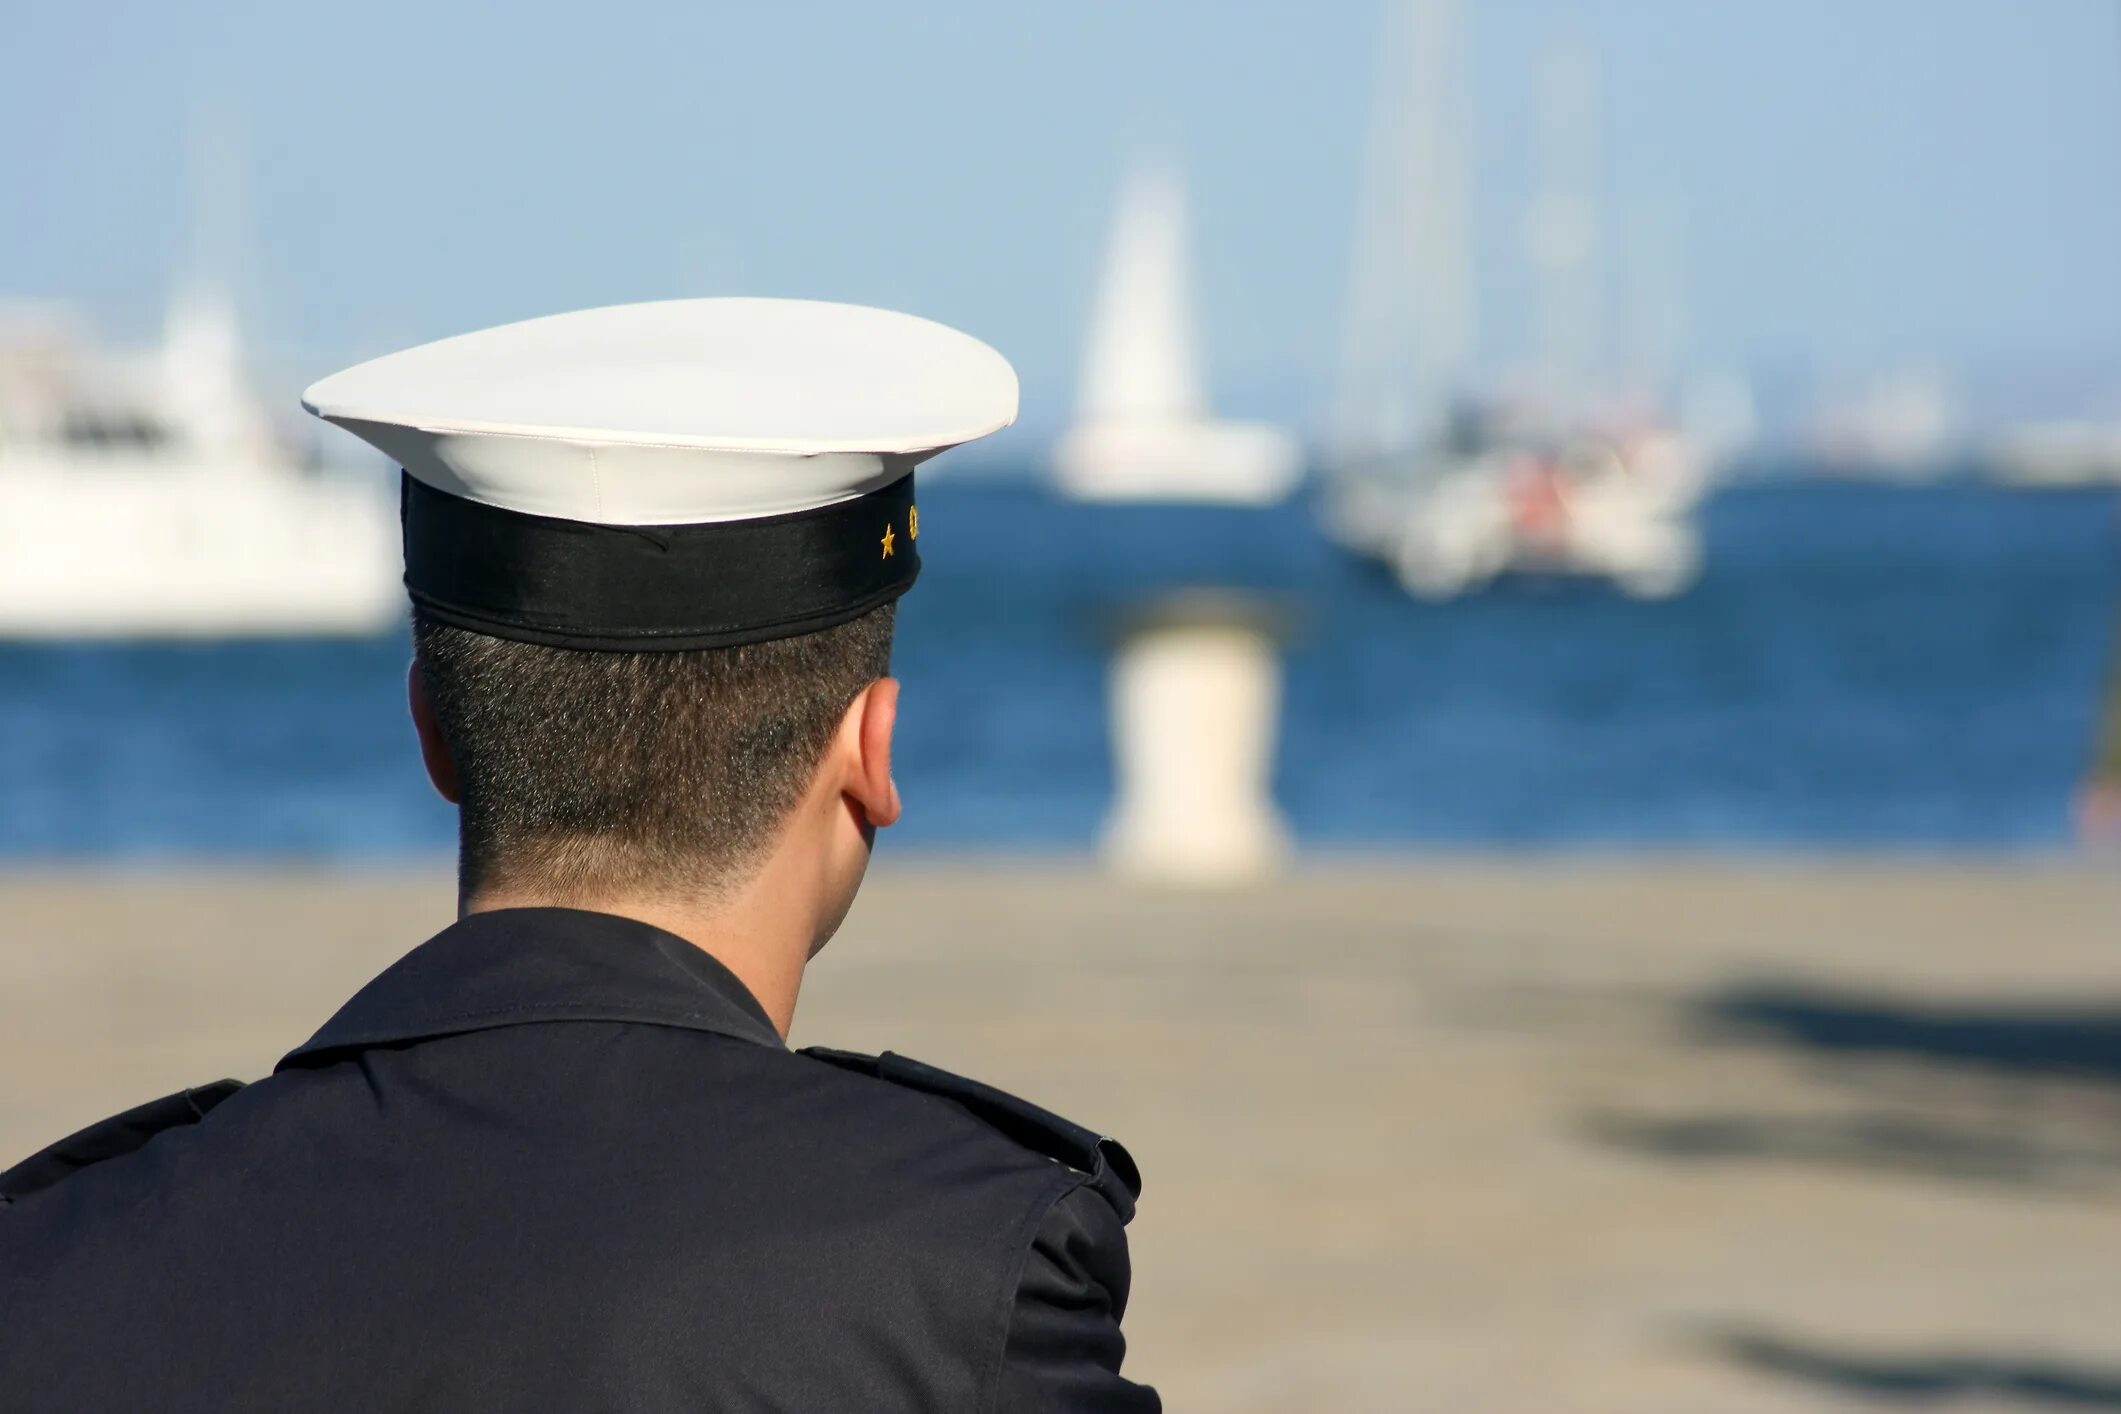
<point x="1104" y="1161"/>
<point x="113" y="1137"/>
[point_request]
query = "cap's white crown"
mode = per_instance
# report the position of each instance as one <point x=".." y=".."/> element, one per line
<point x="680" y="411"/>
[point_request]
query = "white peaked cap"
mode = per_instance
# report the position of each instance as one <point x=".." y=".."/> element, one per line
<point x="686" y="474"/>
<point x="676" y="412"/>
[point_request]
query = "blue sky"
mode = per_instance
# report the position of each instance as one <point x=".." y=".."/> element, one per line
<point x="1862" y="183"/>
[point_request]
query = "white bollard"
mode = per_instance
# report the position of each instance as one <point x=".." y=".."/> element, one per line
<point x="1195" y="701"/>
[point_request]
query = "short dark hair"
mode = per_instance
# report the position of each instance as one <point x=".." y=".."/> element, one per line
<point x="587" y="773"/>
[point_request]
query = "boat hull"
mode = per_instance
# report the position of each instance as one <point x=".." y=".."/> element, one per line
<point x="1447" y="526"/>
<point x="156" y="552"/>
<point x="1230" y="463"/>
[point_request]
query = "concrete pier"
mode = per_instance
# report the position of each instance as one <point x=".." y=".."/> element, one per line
<point x="1458" y="1135"/>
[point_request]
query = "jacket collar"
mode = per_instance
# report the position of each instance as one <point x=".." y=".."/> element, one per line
<point x="521" y="965"/>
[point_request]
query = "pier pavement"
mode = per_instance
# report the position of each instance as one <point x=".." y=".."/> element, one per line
<point x="1465" y="1135"/>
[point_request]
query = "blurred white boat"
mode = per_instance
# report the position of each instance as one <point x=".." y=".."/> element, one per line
<point x="1901" y="427"/>
<point x="1446" y="494"/>
<point x="1143" y="429"/>
<point x="149" y="497"/>
<point x="1613" y="509"/>
<point x="2058" y="454"/>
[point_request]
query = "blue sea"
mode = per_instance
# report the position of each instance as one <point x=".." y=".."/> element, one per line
<point x="1861" y="666"/>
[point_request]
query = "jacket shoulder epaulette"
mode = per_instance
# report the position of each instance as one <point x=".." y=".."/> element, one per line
<point x="1107" y="1164"/>
<point x="111" y="1138"/>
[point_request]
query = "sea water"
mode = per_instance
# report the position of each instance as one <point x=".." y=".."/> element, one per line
<point x="1860" y="666"/>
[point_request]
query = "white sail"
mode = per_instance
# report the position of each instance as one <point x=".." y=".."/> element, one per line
<point x="1143" y="427"/>
<point x="1141" y="362"/>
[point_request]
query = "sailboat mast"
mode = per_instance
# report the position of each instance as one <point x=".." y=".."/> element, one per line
<point x="206" y="388"/>
<point x="1651" y="322"/>
<point x="1563" y="234"/>
<point x="1409" y="325"/>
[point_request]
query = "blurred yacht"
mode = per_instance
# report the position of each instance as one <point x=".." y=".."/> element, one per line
<point x="1455" y="516"/>
<point x="1143" y="429"/>
<point x="1447" y="491"/>
<point x="149" y="495"/>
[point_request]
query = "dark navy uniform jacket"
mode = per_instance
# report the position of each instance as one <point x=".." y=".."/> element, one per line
<point x="561" y="1160"/>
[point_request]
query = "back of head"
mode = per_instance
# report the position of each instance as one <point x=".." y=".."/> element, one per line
<point x="651" y="550"/>
<point x="585" y="774"/>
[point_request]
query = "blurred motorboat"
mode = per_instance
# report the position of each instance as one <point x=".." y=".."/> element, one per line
<point x="1143" y="428"/>
<point x="150" y="497"/>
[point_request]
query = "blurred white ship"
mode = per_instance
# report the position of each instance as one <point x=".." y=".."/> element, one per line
<point x="1900" y="427"/>
<point x="1143" y="429"/>
<point x="148" y="497"/>
<point x="2059" y="454"/>
<point x="1448" y="494"/>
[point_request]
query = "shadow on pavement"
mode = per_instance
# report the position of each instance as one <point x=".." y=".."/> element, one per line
<point x="2023" y="1094"/>
<point x="1924" y="1378"/>
<point x="2063" y="1040"/>
<point x="1910" y="1143"/>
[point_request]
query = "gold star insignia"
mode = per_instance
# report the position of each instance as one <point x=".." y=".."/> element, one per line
<point x="887" y="541"/>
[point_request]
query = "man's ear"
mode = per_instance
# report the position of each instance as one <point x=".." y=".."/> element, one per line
<point x="865" y="735"/>
<point x="434" y="751"/>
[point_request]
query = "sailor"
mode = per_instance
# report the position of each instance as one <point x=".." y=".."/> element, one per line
<point x="559" y="1155"/>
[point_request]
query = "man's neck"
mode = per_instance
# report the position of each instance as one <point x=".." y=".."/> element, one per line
<point x="763" y="948"/>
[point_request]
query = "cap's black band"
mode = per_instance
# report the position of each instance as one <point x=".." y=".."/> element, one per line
<point x="647" y="588"/>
